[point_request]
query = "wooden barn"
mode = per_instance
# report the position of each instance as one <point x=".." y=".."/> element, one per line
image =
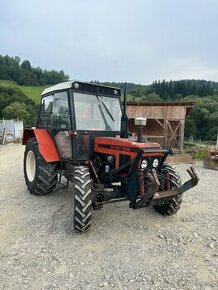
<point x="165" y="121"/>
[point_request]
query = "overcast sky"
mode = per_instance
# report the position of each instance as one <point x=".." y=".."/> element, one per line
<point x="115" y="40"/>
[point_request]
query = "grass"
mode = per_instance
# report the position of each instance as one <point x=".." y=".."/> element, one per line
<point x="199" y="151"/>
<point x="33" y="92"/>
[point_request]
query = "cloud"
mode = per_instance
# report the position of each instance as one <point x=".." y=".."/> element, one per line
<point x="138" y="41"/>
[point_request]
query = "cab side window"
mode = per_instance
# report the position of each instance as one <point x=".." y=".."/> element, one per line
<point x="54" y="111"/>
<point x="45" y="115"/>
<point x="60" y="114"/>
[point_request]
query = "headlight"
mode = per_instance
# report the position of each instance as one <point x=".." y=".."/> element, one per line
<point x="144" y="164"/>
<point x="155" y="163"/>
<point x="110" y="159"/>
<point x="76" y="85"/>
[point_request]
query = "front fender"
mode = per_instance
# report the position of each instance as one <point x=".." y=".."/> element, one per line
<point x="46" y="145"/>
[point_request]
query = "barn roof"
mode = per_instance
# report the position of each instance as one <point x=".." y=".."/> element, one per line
<point x="188" y="105"/>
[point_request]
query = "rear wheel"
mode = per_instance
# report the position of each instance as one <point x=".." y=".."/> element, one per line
<point x="82" y="199"/>
<point x="40" y="176"/>
<point x="169" y="206"/>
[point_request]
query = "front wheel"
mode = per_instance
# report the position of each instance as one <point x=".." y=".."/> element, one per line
<point x="82" y="199"/>
<point x="169" y="206"/>
<point x="40" y="176"/>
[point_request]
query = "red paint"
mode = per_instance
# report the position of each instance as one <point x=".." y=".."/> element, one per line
<point x="46" y="145"/>
<point x="122" y="146"/>
<point x="123" y="142"/>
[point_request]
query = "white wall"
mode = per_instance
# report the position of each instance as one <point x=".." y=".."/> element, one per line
<point x="14" y="128"/>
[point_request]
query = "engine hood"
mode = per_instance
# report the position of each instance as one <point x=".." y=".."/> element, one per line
<point x="124" y="142"/>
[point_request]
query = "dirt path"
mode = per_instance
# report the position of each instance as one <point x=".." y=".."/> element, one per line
<point x="125" y="249"/>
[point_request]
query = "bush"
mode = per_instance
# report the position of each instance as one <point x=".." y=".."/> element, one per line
<point x="201" y="153"/>
<point x="17" y="111"/>
<point x="15" y="104"/>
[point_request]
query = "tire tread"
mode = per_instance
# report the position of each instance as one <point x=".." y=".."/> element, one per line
<point x="82" y="199"/>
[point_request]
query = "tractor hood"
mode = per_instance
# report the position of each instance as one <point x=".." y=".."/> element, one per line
<point x="124" y="149"/>
<point x="117" y="143"/>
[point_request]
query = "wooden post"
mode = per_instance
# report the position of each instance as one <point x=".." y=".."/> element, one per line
<point x="165" y="132"/>
<point x="162" y="126"/>
<point x="174" y="133"/>
<point x="181" y="139"/>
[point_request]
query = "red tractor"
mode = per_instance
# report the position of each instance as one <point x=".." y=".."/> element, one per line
<point x="82" y="134"/>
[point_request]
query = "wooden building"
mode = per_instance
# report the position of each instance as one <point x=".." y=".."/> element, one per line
<point x="165" y="121"/>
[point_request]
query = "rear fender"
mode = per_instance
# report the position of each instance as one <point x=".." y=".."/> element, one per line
<point x="46" y="145"/>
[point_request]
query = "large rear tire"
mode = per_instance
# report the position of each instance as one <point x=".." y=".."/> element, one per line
<point x="82" y="199"/>
<point x="169" y="206"/>
<point x="40" y="176"/>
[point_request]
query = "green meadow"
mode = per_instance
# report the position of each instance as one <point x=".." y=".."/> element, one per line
<point x="32" y="92"/>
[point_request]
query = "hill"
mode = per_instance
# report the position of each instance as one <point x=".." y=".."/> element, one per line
<point x="33" y="92"/>
<point x="15" y="104"/>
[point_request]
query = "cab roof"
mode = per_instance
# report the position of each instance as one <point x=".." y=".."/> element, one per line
<point x="69" y="84"/>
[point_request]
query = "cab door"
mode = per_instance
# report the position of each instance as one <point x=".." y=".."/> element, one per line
<point x="55" y="117"/>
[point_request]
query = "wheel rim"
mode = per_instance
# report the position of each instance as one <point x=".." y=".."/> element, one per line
<point x="30" y="165"/>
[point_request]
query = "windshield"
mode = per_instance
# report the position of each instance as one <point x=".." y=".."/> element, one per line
<point x="96" y="112"/>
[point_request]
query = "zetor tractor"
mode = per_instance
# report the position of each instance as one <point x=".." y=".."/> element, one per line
<point x="82" y="134"/>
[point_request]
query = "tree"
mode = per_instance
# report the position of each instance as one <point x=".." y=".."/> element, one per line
<point x="190" y="128"/>
<point x="26" y="65"/>
<point x="16" y="110"/>
<point x="177" y="97"/>
<point x="25" y="74"/>
<point x="153" y="97"/>
<point x="13" y="104"/>
<point x="212" y="133"/>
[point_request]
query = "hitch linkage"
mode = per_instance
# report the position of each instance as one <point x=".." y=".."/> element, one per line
<point x="154" y="194"/>
<point x="186" y="186"/>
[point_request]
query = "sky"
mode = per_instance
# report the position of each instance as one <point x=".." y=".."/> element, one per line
<point x="136" y="41"/>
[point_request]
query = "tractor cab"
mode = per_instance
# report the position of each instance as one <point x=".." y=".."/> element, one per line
<point x="75" y="112"/>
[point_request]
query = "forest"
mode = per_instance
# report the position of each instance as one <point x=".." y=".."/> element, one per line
<point x="11" y="68"/>
<point x="202" y="124"/>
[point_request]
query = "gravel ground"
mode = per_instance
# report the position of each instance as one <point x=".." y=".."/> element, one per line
<point x="125" y="249"/>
